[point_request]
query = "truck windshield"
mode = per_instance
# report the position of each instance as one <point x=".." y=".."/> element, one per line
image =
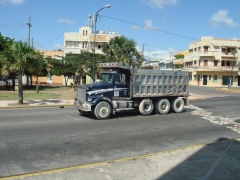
<point x="106" y="78"/>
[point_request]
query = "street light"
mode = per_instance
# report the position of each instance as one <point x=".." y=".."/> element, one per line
<point x="95" y="25"/>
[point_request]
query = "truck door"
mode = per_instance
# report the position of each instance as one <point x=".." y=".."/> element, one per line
<point x="121" y="85"/>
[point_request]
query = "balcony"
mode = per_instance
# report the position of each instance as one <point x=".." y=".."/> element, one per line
<point x="207" y="53"/>
<point x="225" y="54"/>
<point x="212" y="68"/>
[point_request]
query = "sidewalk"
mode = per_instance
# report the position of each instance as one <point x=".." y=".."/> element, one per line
<point x="216" y="161"/>
<point x="65" y="100"/>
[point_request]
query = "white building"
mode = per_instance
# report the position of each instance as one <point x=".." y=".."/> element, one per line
<point x="83" y="40"/>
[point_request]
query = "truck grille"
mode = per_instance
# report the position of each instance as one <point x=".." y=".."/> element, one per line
<point x="81" y="94"/>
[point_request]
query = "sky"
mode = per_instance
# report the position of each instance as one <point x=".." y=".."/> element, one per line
<point x="159" y="27"/>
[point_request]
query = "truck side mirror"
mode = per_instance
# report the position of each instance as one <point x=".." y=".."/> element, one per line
<point x="123" y="79"/>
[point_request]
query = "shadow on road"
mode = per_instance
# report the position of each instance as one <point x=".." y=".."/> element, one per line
<point x="219" y="160"/>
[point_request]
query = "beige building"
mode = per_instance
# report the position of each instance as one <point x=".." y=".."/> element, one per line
<point x="213" y="62"/>
<point x="83" y="41"/>
<point x="51" y="79"/>
<point x="178" y="61"/>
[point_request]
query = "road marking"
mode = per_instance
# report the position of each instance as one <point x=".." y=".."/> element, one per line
<point x="220" y="120"/>
<point x="113" y="161"/>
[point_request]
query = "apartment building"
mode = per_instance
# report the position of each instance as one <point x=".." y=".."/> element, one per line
<point x="178" y="61"/>
<point x="213" y="62"/>
<point x="83" y="41"/>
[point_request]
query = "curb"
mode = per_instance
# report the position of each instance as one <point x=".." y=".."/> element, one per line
<point x="35" y="106"/>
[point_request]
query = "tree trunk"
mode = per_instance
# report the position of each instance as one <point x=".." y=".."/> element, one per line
<point x="20" y="87"/>
<point x="66" y="80"/>
<point x="31" y="80"/>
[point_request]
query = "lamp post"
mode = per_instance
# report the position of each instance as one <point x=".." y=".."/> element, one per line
<point x="95" y="24"/>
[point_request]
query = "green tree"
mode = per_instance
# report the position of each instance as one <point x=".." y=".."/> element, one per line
<point x="84" y="63"/>
<point x="17" y="58"/>
<point x="123" y="50"/>
<point x="36" y="66"/>
<point x="61" y="67"/>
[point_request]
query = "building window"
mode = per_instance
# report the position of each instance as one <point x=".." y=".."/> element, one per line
<point x="205" y="49"/>
<point x="86" y="33"/>
<point x="194" y="77"/>
<point x="99" y="46"/>
<point x="215" y="62"/>
<point x="226" y="80"/>
<point x="190" y="77"/>
<point x="209" y="77"/>
<point x="83" y="33"/>
<point x="69" y="44"/>
<point x="84" y="44"/>
<point x="214" y="78"/>
<point x="195" y="62"/>
<point x="199" y="48"/>
<point x="205" y="63"/>
<point x="76" y="44"/>
<point x="216" y="48"/>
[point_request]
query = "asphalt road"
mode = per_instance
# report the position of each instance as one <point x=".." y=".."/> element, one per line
<point x="34" y="140"/>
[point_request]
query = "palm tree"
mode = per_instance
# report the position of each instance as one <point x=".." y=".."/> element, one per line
<point x="122" y="49"/>
<point x="15" y="59"/>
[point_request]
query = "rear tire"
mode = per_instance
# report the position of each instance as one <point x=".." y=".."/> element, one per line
<point x="146" y="107"/>
<point x="163" y="106"/>
<point x="178" y="105"/>
<point x="102" y="110"/>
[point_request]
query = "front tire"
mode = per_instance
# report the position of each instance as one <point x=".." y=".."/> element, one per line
<point x="146" y="107"/>
<point x="102" y="110"/>
<point x="178" y="105"/>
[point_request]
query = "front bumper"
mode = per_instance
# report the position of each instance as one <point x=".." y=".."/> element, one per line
<point x="85" y="107"/>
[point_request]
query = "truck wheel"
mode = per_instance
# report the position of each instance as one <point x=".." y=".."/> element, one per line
<point x="146" y="107"/>
<point x="102" y="110"/>
<point x="178" y="105"/>
<point x="163" y="106"/>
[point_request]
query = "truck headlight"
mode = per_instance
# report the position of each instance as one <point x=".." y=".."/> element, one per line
<point x="89" y="99"/>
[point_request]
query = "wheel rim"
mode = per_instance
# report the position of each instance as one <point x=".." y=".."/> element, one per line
<point x="164" y="106"/>
<point x="103" y="110"/>
<point x="178" y="105"/>
<point x="147" y="107"/>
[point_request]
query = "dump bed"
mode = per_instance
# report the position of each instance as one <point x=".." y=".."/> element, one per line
<point x="149" y="83"/>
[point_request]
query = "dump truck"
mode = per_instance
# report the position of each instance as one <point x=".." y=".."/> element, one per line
<point x="127" y="88"/>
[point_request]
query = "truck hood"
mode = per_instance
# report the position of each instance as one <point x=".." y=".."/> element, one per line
<point x="97" y="88"/>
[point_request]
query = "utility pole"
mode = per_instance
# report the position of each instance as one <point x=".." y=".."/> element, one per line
<point x="29" y="26"/>
<point x="142" y="51"/>
<point x="233" y="63"/>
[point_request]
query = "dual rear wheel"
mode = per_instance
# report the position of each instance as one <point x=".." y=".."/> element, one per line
<point x="162" y="106"/>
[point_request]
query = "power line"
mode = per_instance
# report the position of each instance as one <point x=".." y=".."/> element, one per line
<point x="9" y="30"/>
<point x="51" y="40"/>
<point x="155" y="29"/>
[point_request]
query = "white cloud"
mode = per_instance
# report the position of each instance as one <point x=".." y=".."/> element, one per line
<point x="63" y="20"/>
<point x="160" y="4"/>
<point x="222" y="17"/>
<point x="135" y="28"/>
<point x="58" y="46"/>
<point x="235" y="38"/>
<point x="148" y="24"/>
<point x="14" y="2"/>
<point x="159" y="54"/>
